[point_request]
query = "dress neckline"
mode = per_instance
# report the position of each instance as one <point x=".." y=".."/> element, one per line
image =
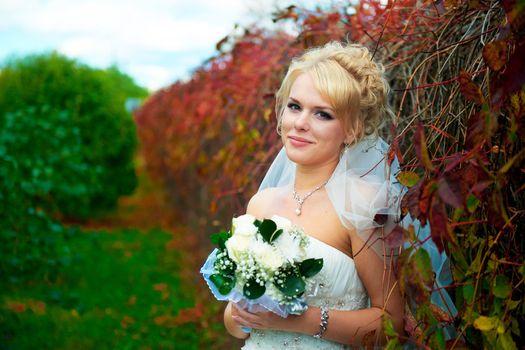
<point x="332" y="248"/>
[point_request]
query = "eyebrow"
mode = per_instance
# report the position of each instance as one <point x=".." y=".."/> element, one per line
<point x="316" y="107"/>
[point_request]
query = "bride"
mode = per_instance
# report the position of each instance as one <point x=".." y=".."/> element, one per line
<point x="332" y="179"/>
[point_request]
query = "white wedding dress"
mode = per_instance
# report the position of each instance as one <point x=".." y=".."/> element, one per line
<point x="337" y="286"/>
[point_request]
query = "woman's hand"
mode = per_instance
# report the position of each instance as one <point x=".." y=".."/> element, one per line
<point x="260" y="320"/>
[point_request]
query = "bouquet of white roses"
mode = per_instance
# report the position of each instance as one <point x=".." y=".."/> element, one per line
<point x="261" y="264"/>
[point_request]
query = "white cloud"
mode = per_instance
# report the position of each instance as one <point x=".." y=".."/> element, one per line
<point x="155" y="41"/>
<point x="155" y="75"/>
<point x="103" y="32"/>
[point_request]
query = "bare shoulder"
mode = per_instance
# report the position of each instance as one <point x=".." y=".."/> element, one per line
<point x="262" y="202"/>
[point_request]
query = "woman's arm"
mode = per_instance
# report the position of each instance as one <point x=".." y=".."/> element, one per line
<point x="347" y="327"/>
<point x="231" y="325"/>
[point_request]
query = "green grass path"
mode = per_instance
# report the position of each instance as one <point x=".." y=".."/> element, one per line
<point x="120" y="290"/>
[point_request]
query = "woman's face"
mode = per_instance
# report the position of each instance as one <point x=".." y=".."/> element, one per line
<point x="311" y="133"/>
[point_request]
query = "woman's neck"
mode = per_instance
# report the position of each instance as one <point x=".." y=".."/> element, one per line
<point x="309" y="177"/>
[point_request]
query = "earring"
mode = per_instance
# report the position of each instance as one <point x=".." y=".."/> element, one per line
<point x="343" y="150"/>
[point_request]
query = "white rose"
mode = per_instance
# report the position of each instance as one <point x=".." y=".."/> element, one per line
<point x="281" y="222"/>
<point x="243" y="225"/>
<point x="237" y="246"/>
<point x="290" y="247"/>
<point x="266" y="255"/>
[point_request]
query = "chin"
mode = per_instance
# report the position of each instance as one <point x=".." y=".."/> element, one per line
<point x="298" y="156"/>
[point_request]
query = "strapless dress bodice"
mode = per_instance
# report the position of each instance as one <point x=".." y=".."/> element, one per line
<point x="337" y="286"/>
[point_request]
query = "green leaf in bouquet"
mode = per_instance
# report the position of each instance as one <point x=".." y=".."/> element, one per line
<point x="292" y="286"/>
<point x="225" y="269"/>
<point x="310" y="267"/>
<point x="230" y="269"/>
<point x="220" y="239"/>
<point x="253" y="290"/>
<point x="257" y="222"/>
<point x="275" y="235"/>
<point x="223" y="283"/>
<point x="268" y="230"/>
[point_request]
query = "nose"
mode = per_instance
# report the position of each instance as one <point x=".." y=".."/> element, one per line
<point x="302" y="121"/>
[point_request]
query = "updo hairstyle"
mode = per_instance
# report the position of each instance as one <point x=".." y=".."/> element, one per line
<point x="348" y="78"/>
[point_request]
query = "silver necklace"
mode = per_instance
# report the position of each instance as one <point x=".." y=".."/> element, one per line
<point x="300" y="200"/>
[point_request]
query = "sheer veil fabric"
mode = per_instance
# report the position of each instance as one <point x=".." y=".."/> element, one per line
<point x="366" y="195"/>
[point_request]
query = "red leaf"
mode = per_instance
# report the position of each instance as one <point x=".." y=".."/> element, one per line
<point x="410" y="201"/>
<point x="480" y="187"/>
<point x="496" y="211"/>
<point x="393" y="150"/>
<point x="396" y="237"/>
<point x="480" y="127"/>
<point x="452" y="190"/>
<point x="515" y="12"/>
<point x="469" y="89"/>
<point x="512" y="79"/>
<point x="495" y="54"/>
<point x="421" y="148"/>
<point x="426" y="195"/>
<point x="391" y="155"/>
<point x="439" y="226"/>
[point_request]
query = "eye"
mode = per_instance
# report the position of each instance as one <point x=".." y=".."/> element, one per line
<point x="293" y="106"/>
<point x="323" y="115"/>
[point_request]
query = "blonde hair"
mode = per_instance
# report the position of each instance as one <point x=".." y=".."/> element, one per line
<point x="349" y="79"/>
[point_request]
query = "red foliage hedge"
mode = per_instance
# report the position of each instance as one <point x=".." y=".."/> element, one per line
<point x="457" y="74"/>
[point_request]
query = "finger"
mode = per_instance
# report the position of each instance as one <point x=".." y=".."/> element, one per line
<point x="234" y="310"/>
<point x="242" y="322"/>
<point x="240" y="310"/>
<point x="254" y="319"/>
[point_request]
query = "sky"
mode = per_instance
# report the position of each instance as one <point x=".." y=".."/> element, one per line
<point x="155" y="41"/>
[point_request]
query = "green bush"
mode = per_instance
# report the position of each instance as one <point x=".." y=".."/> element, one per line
<point x="66" y="148"/>
<point x="84" y="108"/>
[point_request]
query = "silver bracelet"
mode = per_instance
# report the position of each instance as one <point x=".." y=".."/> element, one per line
<point x="323" y="325"/>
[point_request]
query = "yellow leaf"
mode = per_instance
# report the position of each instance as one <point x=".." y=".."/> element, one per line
<point x="408" y="178"/>
<point x="484" y="323"/>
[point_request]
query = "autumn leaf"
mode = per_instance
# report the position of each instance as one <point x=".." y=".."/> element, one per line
<point x="469" y="89"/>
<point x="428" y="189"/>
<point x="423" y="268"/>
<point x="440" y="315"/>
<point x="37" y="306"/>
<point x="452" y="190"/>
<point x="495" y="54"/>
<point x="421" y="148"/>
<point x="411" y="325"/>
<point x="16" y="306"/>
<point x="480" y="128"/>
<point x="484" y="323"/>
<point x="512" y="79"/>
<point x="396" y="237"/>
<point x="439" y="226"/>
<point x="408" y="178"/>
<point x="410" y="201"/>
<point x="515" y="13"/>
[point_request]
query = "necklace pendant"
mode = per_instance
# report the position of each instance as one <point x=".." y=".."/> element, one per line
<point x="298" y="211"/>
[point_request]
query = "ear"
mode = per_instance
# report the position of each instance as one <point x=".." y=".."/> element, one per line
<point x="349" y="139"/>
<point x="352" y="134"/>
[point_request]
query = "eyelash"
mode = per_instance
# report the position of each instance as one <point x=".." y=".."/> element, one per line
<point x="321" y="114"/>
<point x="293" y="106"/>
